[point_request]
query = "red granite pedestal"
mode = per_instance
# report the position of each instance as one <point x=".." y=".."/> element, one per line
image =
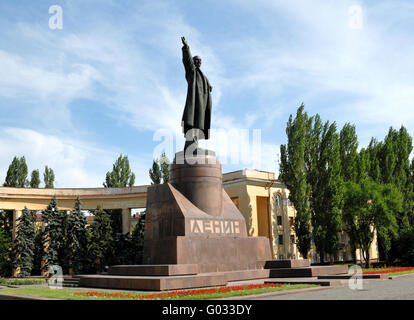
<point x="196" y="237"/>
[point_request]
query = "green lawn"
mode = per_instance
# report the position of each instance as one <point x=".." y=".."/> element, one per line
<point x="20" y="281"/>
<point x="69" y="294"/>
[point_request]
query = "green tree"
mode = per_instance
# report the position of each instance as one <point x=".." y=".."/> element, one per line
<point x="17" y="173"/>
<point x="23" y="244"/>
<point x="5" y="248"/>
<point x="348" y="142"/>
<point x="49" y="178"/>
<point x="165" y="168"/>
<point x="293" y="175"/>
<point x="76" y="238"/>
<point x="121" y="174"/>
<point x="101" y="239"/>
<point x="327" y="193"/>
<point x="370" y="207"/>
<point x="35" y="179"/>
<point x="155" y="172"/>
<point x="138" y="235"/>
<point x="52" y="237"/>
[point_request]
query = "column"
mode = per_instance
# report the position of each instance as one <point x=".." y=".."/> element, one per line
<point x="126" y="216"/>
<point x="16" y="215"/>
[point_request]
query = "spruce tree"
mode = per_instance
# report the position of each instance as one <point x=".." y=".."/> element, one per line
<point x="5" y="248"/>
<point x="121" y="175"/>
<point x="52" y="235"/>
<point x="101" y="238"/>
<point x="23" y="244"/>
<point x="138" y="235"/>
<point x="77" y="239"/>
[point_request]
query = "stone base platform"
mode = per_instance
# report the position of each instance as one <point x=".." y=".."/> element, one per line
<point x="187" y="276"/>
<point x="174" y="282"/>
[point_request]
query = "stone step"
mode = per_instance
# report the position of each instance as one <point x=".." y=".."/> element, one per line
<point x="348" y="276"/>
<point x="154" y="270"/>
<point x="277" y="264"/>
<point x="324" y="283"/>
<point x="246" y="275"/>
<point x="159" y="283"/>
<point x="315" y="271"/>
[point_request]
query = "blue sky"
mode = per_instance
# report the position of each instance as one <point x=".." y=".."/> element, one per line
<point x="76" y="98"/>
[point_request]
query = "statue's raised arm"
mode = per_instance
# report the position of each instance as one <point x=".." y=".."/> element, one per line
<point x="187" y="57"/>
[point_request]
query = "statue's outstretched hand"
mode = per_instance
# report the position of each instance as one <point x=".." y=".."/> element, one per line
<point x="184" y="42"/>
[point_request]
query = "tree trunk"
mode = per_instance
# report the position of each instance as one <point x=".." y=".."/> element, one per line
<point x="367" y="258"/>
<point x="322" y="257"/>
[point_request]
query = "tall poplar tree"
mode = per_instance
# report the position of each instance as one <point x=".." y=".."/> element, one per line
<point x="348" y="142"/>
<point x="35" y="179"/>
<point x="23" y="244"/>
<point x="121" y="174"/>
<point x="49" y="178"/>
<point x="293" y="175"/>
<point x="17" y="173"/>
<point x="327" y="193"/>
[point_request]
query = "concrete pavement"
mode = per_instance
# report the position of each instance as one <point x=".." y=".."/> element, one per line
<point x="396" y="289"/>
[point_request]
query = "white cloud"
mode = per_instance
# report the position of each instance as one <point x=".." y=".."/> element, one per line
<point x="75" y="163"/>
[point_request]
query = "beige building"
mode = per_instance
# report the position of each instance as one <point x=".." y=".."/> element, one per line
<point x="263" y="200"/>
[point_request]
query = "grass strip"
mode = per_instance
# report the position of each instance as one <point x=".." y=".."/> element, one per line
<point x="20" y="282"/>
<point x="66" y="294"/>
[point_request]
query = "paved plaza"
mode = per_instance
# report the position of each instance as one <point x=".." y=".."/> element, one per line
<point x="397" y="289"/>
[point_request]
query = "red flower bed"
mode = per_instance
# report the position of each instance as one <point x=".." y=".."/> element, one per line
<point x="177" y="294"/>
<point x="390" y="270"/>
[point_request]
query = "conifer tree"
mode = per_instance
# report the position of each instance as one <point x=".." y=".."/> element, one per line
<point x="23" y="244"/>
<point x="76" y="239"/>
<point x="52" y="235"/>
<point x="101" y="238"/>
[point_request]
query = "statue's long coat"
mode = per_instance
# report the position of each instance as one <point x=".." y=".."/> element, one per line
<point x="197" y="111"/>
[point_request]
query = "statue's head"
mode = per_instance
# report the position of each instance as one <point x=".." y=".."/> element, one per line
<point x="197" y="61"/>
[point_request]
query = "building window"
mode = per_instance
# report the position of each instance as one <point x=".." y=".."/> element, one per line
<point x="292" y="239"/>
<point x="291" y="222"/>
<point x="290" y="203"/>
<point x="342" y="238"/>
<point x="285" y="202"/>
<point x="279" y="220"/>
<point x="235" y="201"/>
<point x="277" y="201"/>
<point x="280" y="239"/>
